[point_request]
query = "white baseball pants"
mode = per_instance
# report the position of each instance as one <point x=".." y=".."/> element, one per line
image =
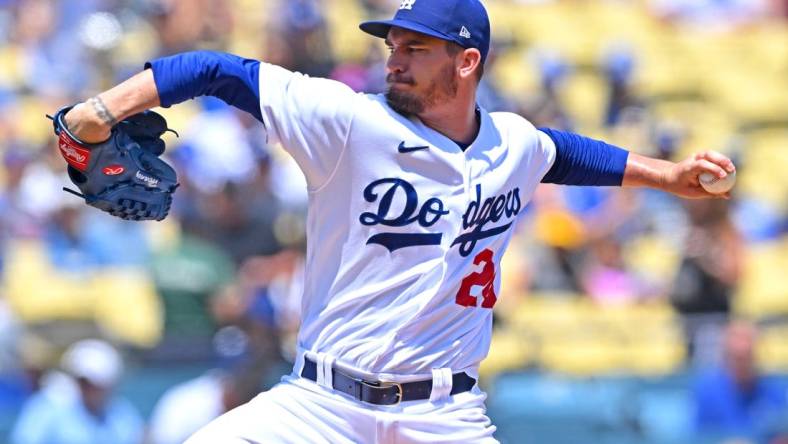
<point x="298" y="410"/>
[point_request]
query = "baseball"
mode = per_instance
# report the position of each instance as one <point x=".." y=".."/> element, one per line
<point x="715" y="185"/>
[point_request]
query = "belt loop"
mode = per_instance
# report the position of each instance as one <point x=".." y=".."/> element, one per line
<point x="328" y="373"/>
<point x="320" y="360"/>
<point x="300" y="363"/>
<point x="441" y="384"/>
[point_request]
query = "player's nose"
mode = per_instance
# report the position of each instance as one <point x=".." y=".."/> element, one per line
<point x="396" y="63"/>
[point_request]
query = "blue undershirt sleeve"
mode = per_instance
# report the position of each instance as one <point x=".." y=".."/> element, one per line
<point x="228" y="77"/>
<point x="581" y="160"/>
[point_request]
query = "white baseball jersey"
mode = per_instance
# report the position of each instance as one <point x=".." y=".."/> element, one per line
<point x="405" y="230"/>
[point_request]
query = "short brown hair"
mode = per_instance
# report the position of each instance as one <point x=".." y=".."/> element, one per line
<point x="453" y="49"/>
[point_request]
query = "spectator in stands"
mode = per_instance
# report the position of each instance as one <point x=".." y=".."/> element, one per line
<point x="368" y="75"/>
<point x="489" y="95"/>
<point x="182" y="25"/>
<point x="17" y="219"/>
<point x="252" y="314"/>
<point x="188" y="406"/>
<point x="735" y="400"/>
<point x="80" y="407"/>
<point x="51" y="56"/>
<point x="709" y="270"/>
<point x="227" y="199"/>
<point x="304" y="26"/>
<point x="15" y="382"/>
<point x="618" y="65"/>
<point x="80" y="241"/>
<point x="606" y="277"/>
<point x="189" y="273"/>
<point x="545" y="108"/>
<point x="272" y="289"/>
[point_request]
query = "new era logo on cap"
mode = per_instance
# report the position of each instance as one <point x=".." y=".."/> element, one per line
<point x="465" y="33"/>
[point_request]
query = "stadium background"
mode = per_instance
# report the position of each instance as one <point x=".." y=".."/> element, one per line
<point x="616" y="304"/>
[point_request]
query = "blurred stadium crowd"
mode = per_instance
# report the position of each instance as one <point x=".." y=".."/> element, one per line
<point x="627" y="316"/>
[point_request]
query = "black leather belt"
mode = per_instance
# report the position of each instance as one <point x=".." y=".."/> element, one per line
<point x="384" y="392"/>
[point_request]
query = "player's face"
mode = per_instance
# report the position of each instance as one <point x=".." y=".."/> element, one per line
<point x="421" y="73"/>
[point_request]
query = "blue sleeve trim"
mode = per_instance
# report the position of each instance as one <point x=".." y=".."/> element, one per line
<point x="581" y="160"/>
<point x="231" y="78"/>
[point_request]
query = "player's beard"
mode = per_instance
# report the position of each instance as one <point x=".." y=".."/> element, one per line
<point x="441" y="88"/>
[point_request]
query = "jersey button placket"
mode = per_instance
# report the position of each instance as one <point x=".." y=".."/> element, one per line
<point x="462" y="201"/>
<point x="467" y="177"/>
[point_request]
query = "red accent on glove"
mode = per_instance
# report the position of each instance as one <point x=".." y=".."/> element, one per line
<point x="113" y="170"/>
<point x="75" y="154"/>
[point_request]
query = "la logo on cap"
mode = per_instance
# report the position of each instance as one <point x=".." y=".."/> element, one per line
<point x="407" y="4"/>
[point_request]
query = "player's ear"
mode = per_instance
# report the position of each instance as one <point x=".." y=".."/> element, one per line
<point x="469" y="62"/>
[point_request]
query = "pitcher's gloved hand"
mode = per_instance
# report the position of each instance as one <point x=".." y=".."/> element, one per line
<point x="123" y="175"/>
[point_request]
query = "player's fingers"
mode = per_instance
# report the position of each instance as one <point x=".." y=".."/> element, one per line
<point x="719" y="159"/>
<point x="707" y="166"/>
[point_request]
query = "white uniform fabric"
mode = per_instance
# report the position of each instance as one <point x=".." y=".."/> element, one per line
<point x="405" y="234"/>
<point x="373" y="299"/>
<point x="299" y="411"/>
<point x="185" y="408"/>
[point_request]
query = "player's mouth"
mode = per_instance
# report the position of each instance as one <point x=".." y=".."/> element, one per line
<point x="399" y="87"/>
<point x="393" y="79"/>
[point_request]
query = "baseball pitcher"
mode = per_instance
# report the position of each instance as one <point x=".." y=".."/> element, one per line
<point x="413" y="197"/>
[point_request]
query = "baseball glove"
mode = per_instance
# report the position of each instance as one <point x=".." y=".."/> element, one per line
<point x="123" y="175"/>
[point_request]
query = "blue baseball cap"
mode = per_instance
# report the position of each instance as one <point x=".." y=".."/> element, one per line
<point x="464" y="22"/>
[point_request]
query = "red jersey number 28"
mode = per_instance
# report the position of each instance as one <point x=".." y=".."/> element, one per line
<point x="484" y="278"/>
